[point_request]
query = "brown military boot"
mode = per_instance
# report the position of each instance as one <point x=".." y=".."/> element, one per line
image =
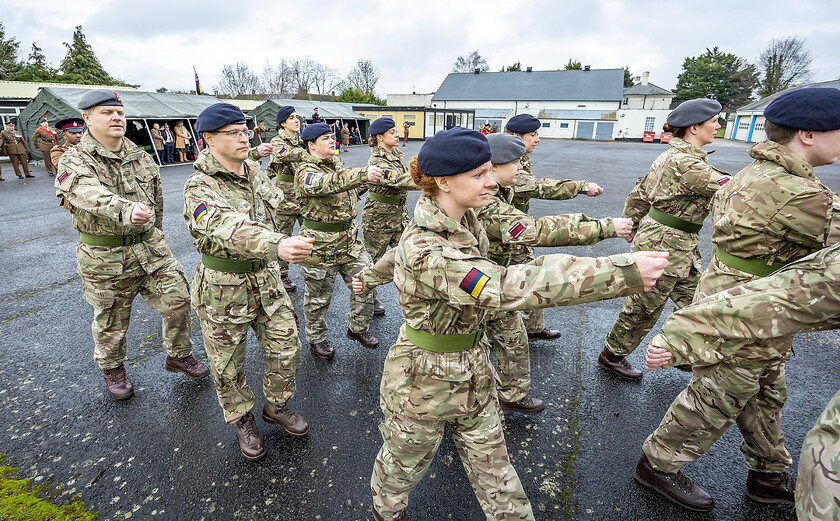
<point x="618" y="365"/>
<point x="527" y="405"/>
<point x="250" y="442"/>
<point x="402" y="516"/>
<point x="770" y="487"/>
<point x="677" y="487"/>
<point x="322" y="349"/>
<point x="188" y="365"/>
<point x="292" y="422"/>
<point x="378" y="309"/>
<point x="288" y="284"/>
<point x="365" y="338"/>
<point x="117" y="383"/>
<point x="545" y="334"/>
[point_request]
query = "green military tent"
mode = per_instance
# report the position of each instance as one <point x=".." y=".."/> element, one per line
<point x="331" y="111"/>
<point x="142" y="110"/>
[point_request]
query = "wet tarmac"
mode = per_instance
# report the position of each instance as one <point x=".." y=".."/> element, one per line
<point x="167" y="453"/>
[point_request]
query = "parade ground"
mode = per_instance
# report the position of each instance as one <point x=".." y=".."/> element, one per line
<point x="167" y="453"/>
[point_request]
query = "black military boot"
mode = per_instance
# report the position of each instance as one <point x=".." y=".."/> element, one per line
<point x="677" y="487"/>
<point x="618" y="365"/>
<point x="770" y="487"/>
<point x="250" y="442"/>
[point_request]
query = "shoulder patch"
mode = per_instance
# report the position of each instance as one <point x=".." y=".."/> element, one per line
<point x="387" y="173"/>
<point x="311" y="178"/>
<point x="282" y="151"/>
<point x="474" y="282"/>
<point x="63" y="177"/>
<point x="517" y="230"/>
<point x="199" y="212"/>
<point x="723" y="181"/>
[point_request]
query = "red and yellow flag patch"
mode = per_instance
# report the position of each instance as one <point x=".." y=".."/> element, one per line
<point x="474" y="282"/>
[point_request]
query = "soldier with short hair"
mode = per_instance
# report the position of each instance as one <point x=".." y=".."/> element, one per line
<point x="71" y="130"/>
<point x="44" y="139"/>
<point x="114" y="194"/>
<point x="15" y="146"/>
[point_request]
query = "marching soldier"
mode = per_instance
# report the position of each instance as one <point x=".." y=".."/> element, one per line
<point x="114" y="193"/>
<point x="71" y="130"/>
<point x="44" y="139"/>
<point x="15" y="146"/>
<point x="230" y="209"/>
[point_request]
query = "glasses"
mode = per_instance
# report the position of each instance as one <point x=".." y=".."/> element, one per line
<point x="236" y="133"/>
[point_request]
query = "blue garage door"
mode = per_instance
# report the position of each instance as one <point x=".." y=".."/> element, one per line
<point x="604" y="130"/>
<point x="585" y="129"/>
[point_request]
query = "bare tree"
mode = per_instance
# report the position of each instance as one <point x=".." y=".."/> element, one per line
<point x="364" y="76"/>
<point x="325" y="79"/>
<point x="783" y="62"/>
<point x="278" y="81"/>
<point x="237" y="79"/>
<point x="470" y="63"/>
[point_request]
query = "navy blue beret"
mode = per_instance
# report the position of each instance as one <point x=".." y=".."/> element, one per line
<point x="693" y="112"/>
<point x="283" y="114"/>
<point x="806" y="109"/>
<point x="453" y="151"/>
<point x="97" y="97"/>
<point x="523" y="123"/>
<point x="218" y="115"/>
<point x="314" y="131"/>
<point x="74" y="125"/>
<point x="381" y="125"/>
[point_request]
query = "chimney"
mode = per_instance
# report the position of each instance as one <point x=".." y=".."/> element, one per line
<point x="529" y="69"/>
<point x="586" y="67"/>
<point x="476" y="71"/>
<point x="645" y="76"/>
<point x="637" y="79"/>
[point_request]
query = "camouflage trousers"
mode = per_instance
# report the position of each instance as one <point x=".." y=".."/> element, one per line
<point x="111" y="296"/>
<point x="421" y="394"/>
<point x="377" y="236"/>
<point x="750" y="393"/>
<point x="318" y="292"/>
<point x="640" y="311"/>
<point x="818" y="477"/>
<point x="276" y="334"/>
<point x="285" y="224"/>
<point x="534" y="318"/>
<point x="506" y="333"/>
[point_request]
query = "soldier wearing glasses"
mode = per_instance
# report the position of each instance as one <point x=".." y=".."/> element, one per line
<point x="230" y="209"/>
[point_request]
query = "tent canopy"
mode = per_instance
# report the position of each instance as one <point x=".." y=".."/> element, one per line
<point x="304" y="109"/>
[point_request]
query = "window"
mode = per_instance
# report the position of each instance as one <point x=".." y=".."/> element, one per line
<point x="410" y="119"/>
<point x="624" y="102"/>
<point x="649" y="122"/>
<point x="546" y="125"/>
<point x="744" y="124"/>
<point x="759" y="125"/>
<point x="564" y="125"/>
<point x="388" y="116"/>
<point x="581" y="106"/>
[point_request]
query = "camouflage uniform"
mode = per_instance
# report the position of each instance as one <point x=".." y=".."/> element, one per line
<point x="232" y="217"/>
<point x="681" y="184"/>
<point x="774" y="210"/>
<point x="446" y="287"/>
<point x="101" y="189"/>
<point x="803" y="296"/>
<point x="528" y="187"/>
<point x="328" y="194"/>
<point x="285" y="157"/>
<point x="506" y="228"/>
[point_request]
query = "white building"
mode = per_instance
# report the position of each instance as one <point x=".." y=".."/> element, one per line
<point x="645" y="108"/>
<point x="579" y="104"/>
<point x="409" y="100"/>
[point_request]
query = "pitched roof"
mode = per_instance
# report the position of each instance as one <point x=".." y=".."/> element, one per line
<point x="137" y="104"/>
<point x="763" y="102"/>
<point x="648" y="90"/>
<point x="576" y="85"/>
<point x="29" y="89"/>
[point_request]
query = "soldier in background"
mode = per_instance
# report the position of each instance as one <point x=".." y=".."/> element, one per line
<point x="775" y="211"/>
<point x="406" y="130"/>
<point x="230" y="209"/>
<point x="114" y="194"/>
<point x="802" y="296"/>
<point x="668" y="206"/>
<point x="71" y="130"/>
<point x="438" y="374"/>
<point x="528" y="187"/>
<point x="44" y="139"/>
<point x="15" y="146"/>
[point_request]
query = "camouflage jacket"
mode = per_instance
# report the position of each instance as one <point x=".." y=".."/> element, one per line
<point x="680" y="183"/>
<point x="232" y="217"/>
<point x="385" y="216"/>
<point x="330" y="194"/>
<point x="506" y="226"/>
<point x="101" y="189"/>
<point x="528" y="187"/>
<point x="287" y="154"/>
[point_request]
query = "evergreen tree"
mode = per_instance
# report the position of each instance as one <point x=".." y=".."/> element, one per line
<point x="354" y="95"/>
<point x="9" y="64"/>
<point x="81" y="65"/>
<point x="36" y="68"/>
<point x="628" y="78"/>
<point x="723" y="76"/>
<point x="516" y="67"/>
<point x="573" y="65"/>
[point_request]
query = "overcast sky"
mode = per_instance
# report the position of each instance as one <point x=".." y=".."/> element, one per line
<point x="156" y="43"/>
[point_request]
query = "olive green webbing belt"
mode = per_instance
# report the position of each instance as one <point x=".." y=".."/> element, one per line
<point x="387" y="199"/>
<point x="286" y="177"/>
<point x="757" y="267"/>
<point x="522" y="207"/>
<point x="114" y="240"/>
<point x="232" y="265"/>
<point x="501" y="261"/>
<point x="327" y="227"/>
<point x="444" y="343"/>
<point x="674" y="222"/>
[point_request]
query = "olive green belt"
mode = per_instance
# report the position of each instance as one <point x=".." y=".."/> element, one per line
<point x="522" y="207"/>
<point x="753" y="266"/>
<point x="444" y="343"/>
<point x="114" y="240"/>
<point x="674" y="222"/>
<point x="387" y="199"/>
<point x="327" y="227"/>
<point x="286" y="177"/>
<point x="501" y="261"/>
<point x="232" y="265"/>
